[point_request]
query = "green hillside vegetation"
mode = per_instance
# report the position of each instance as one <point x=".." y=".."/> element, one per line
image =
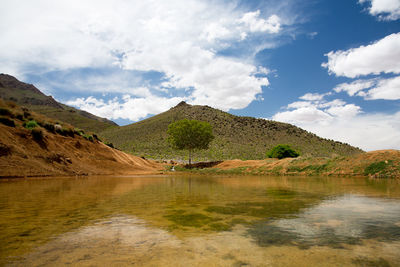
<point x="29" y="96"/>
<point x="235" y="137"/>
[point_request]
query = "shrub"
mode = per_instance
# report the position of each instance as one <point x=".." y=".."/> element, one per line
<point x="79" y="132"/>
<point x="37" y="134"/>
<point x="6" y="112"/>
<point x="69" y="132"/>
<point x="7" y="121"/>
<point x="109" y="144"/>
<point x="31" y="124"/>
<point x="49" y="127"/>
<point x="65" y="131"/>
<point x="20" y="117"/>
<point x="96" y="137"/>
<point x="27" y="114"/>
<point x="282" y="151"/>
<point x="88" y="137"/>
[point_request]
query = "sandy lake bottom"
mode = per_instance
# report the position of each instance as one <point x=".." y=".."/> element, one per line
<point x="200" y="221"/>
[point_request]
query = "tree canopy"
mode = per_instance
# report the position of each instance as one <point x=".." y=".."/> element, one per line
<point x="190" y="135"/>
<point x="282" y="151"/>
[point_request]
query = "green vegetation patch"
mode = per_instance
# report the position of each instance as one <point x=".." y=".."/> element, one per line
<point x="31" y="124"/>
<point x="282" y="151"/>
<point x="378" y="167"/>
<point x="269" y="209"/>
<point x="181" y="218"/>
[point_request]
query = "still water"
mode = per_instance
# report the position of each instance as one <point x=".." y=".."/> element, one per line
<point x="200" y="221"/>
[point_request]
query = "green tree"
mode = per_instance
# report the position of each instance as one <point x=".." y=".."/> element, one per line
<point x="282" y="151"/>
<point x="190" y="135"/>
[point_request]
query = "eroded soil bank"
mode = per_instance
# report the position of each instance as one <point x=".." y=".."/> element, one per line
<point x="375" y="164"/>
<point x="56" y="155"/>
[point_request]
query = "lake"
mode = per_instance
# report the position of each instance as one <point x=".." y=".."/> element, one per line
<point x="200" y="221"/>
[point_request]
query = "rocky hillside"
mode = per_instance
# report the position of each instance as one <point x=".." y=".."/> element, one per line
<point x="236" y="137"/>
<point x="28" y="95"/>
<point x="34" y="145"/>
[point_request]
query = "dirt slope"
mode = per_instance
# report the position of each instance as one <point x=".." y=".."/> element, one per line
<point x="21" y="155"/>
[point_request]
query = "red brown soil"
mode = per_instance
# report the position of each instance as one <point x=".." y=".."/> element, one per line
<point x="22" y="156"/>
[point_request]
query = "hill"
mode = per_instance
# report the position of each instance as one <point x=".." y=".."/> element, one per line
<point x="45" y="151"/>
<point x="31" y="97"/>
<point x="236" y="137"/>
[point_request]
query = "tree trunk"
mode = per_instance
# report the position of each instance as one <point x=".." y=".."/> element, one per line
<point x="190" y="157"/>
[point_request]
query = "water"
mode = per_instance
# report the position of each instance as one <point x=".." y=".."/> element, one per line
<point x="200" y="221"/>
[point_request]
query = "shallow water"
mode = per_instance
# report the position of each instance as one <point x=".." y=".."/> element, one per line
<point x="200" y="220"/>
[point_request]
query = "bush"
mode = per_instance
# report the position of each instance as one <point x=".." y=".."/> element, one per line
<point x="109" y="144"/>
<point x="65" y="131"/>
<point x="96" y="137"/>
<point x="20" y="117"/>
<point x="282" y="151"/>
<point x="69" y="132"/>
<point x="49" y="127"/>
<point x="5" y="112"/>
<point x="79" y="131"/>
<point x="7" y="121"/>
<point x="37" y="134"/>
<point x="31" y="124"/>
<point x="88" y="137"/>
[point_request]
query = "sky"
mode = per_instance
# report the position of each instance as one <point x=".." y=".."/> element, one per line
<point x="329" y="67"/>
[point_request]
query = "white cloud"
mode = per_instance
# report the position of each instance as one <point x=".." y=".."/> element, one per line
<point x="178" y="39"/>
<point x="256" y="24"/>
<point x="383" y="56"/>
<point x="372" y="89"/>
<point x="310" y="114"/>
<point x="385" y="9"/>
<point x="312" y="96"/>
<point x="344" y="122"/>
<point x="129" y="108"/>
<point x="354" y="87"/>
<point x="388" y="89"/>
<point x="317" y="111"/>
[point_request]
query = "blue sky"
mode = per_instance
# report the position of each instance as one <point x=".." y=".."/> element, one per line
<point x="330" y="67"/>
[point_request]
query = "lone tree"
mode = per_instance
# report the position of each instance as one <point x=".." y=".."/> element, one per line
<point x="282" y="151"/>
<point x="190" y="135"/>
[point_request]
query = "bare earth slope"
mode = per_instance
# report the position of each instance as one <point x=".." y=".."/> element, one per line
<point x="21" y="155"/>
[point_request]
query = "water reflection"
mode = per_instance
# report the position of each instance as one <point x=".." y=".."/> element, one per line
<point x="169" y="220"/>
<point x="348" y="219"/>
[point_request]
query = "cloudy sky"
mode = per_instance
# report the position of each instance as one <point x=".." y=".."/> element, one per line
<point x="330" y="67"/>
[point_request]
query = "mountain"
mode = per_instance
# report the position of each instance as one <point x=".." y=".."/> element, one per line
<point x="28" y="95"/>
<point x="235" y="137"/>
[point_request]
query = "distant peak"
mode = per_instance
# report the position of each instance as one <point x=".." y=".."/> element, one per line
<point x="182" y="104"/>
